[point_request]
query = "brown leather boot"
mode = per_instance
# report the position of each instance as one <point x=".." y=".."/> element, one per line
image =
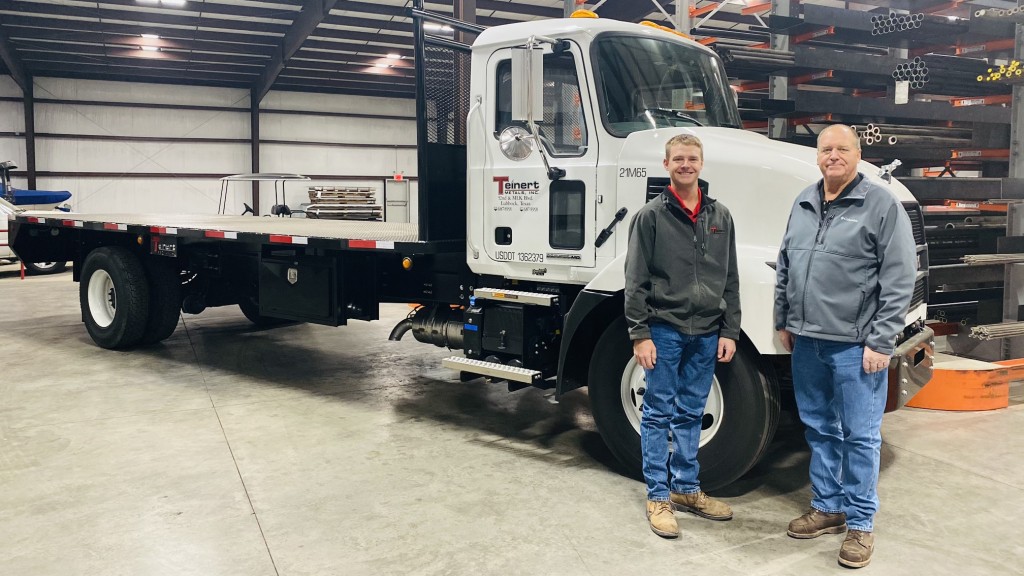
<point x="857" y="549"/>
<point x="702" y="505"/>
<point x="662" y="519"/>
<point x="815" y="523"/>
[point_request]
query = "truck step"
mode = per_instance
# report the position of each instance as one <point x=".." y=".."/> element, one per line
<point x="536" y="298"/>
<point x="492" y="369"/>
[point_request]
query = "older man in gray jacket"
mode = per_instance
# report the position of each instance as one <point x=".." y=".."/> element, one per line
<point x="845" y="281"/>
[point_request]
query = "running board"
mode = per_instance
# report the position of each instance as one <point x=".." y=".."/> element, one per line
<point x="493" y="370"/>
<point x="536" y="298"/>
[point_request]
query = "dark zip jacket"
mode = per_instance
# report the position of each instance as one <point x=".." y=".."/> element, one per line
<point x="847" y="275"/>
<point x="680" y="272"/>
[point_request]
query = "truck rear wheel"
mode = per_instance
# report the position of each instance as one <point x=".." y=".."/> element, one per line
<point x="740" y="419"/>
<point x="114" y="296"/>
<point x="164" y="300"/>
<point x="45" y="267"/>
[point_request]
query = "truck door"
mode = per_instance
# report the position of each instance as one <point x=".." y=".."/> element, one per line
<point x="528" y="218"/>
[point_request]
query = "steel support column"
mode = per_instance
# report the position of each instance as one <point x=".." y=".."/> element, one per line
<point x="778" y="85"/>
<point x="682" y="20"/>
<point x="254" y="145"/>
<point x="1017" y="115"/>
<point x="30" y="134"/>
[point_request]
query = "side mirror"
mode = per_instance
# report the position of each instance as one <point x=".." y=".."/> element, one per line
<point x="527" y="84"/>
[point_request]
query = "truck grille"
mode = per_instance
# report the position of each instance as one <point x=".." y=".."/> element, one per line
<point x="920" y="292"/>
<point x="917" y="227"/>
<point x="655" y="185"/>
<point x="916" y="221"/>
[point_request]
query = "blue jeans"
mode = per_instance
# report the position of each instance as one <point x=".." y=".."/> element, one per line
<point x="841" y="406"/>
<point x="676" y="393"/>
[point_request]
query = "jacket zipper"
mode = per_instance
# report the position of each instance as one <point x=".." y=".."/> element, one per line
<point x="818" y="237"/>
<point x="696" y="264"/>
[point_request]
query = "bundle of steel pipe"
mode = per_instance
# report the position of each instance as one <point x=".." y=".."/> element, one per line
<point x="915" y="71"/>
<point x="979" y="259"/>
<point x="997" y="331"/>
<point x="893" y="134"/>
<point x="895" y="23"/>
<point x="937" y="131"/>
<point x="998" y="13"/>
<point x="757" y="56"/>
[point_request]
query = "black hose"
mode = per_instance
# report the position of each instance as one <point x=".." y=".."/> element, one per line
<point x="400" y="329"/>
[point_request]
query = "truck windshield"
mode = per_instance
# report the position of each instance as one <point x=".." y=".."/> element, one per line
<point x="646" y="83"/>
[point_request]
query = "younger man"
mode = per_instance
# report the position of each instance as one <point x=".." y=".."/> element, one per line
<point x="683" y="313"/>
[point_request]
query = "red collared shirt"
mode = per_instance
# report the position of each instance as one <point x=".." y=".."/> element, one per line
<point x="691" y="214"/>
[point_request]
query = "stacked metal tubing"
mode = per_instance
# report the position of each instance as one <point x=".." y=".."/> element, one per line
<point x="998" y="13"/>
<point x="893" y="134"/>
<point x="895" y="23"/>
<point x="949" y="77"/>
<point x="929" y="24"/>
<point x="760" y="57"/>
<point x="915" y="72"/>
<point x="996" y="331"/>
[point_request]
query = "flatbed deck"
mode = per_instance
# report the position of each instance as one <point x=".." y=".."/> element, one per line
<point x="329" y="234"/>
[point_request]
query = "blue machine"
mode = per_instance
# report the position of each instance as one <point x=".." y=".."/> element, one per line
<point x="27" y="197"/>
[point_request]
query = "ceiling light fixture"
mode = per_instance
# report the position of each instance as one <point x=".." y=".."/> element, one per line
<point x="382" y="65"/>
<point x="173" y="2"/>
<point x="437" y="27"/>
<point x="150" y="48"/>
<point x="394" y="57"/>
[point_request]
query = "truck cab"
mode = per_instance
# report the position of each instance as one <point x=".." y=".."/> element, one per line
<point x="565" y="140"/>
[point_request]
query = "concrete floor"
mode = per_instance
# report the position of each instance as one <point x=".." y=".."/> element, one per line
<point x="315" y="450"/>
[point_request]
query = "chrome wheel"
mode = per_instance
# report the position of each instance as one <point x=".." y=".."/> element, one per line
<point x="633" y="386"/>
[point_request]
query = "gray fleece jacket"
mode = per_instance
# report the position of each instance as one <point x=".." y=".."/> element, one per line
<point x="680" y="272"/>
<point x="847" y="276"/>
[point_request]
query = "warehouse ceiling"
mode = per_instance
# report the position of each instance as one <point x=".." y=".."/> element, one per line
<point x="357" y="47"/>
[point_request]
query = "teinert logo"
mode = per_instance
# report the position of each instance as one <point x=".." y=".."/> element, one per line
<point x="508" y="186"/>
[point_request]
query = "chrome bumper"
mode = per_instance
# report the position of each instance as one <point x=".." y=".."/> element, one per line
<point x="910" y="368"/>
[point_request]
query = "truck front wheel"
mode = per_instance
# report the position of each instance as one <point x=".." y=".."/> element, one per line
<point x="740" y="418"/>
<point x="114" y="296"/>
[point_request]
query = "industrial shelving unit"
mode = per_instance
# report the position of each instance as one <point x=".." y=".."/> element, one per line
<point x="800" y="67"/>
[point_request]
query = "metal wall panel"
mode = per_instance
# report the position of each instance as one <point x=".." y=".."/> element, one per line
<point x="339" y="103"/>
<point x="13" y="148"/>
<point x="107" y="91"/>
<point x="8" y="87"/>
<point x="349" y="130"/>
<point x="65" y="155"/>
<point x="335" y="165"/>
<point x="169" y="196"/>
<point x="12" y="117"/>
<point x="127" y="121"/>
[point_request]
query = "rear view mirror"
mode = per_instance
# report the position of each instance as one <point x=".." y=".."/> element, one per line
<point x="527" y="84"/>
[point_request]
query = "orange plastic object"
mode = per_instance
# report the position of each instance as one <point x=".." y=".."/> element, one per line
<point x="962" y="390"/>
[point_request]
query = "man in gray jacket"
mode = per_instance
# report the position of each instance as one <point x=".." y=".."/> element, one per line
<point x="683" y="313"/>
<point x="846" y="273"/>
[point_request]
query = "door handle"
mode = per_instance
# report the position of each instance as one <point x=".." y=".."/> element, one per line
<point x="607" y="232"/>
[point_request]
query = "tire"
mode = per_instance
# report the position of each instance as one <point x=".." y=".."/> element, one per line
<point x="164" y="300"/>
<point x="251" y="309"/>
<point x="114" y="296"/>
<point x="45" y="267"/>
<point x="739" y="421"/>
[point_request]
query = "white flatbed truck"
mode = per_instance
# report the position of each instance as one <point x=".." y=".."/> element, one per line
<point x="536" y="145"/>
